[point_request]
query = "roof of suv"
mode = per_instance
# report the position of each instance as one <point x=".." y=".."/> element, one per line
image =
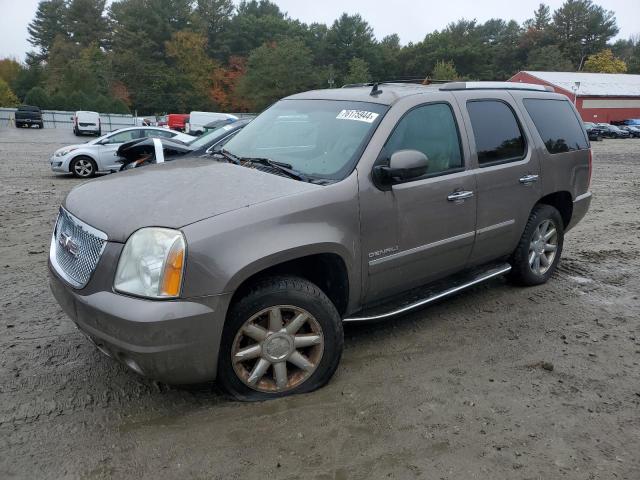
<point x="390" y="92"/>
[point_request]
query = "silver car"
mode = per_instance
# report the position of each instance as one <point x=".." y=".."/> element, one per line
<point x="99" y="156"/>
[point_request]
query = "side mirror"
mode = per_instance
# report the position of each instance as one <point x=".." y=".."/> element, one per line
<point x="404" y="165"/>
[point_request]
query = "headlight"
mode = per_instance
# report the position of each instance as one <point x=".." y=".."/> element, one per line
<point x="151" y="263"/>
<point x="65" y="151"/>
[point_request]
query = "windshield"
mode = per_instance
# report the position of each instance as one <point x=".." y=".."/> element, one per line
<point x="210" y="136"/>
<point x="319" y="138"/>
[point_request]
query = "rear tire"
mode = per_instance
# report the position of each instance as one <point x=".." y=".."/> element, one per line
<point x="283" y="337"/>
<point x="83" y="167"/>
<point x="538" y="253"/>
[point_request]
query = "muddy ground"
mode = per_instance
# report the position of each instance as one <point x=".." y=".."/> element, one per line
<point x="455" y="391"/>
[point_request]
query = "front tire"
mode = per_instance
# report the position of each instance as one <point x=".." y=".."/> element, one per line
<point x="283" y="337"/>
<point x="538" y="253"/>
<point x="83" y="167"/>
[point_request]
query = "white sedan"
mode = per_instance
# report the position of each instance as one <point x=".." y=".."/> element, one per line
<point x="99" y="155"/>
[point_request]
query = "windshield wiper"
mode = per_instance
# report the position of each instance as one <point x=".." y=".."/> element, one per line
<point x="280" y="166"/>
<point x="230" y="157"/>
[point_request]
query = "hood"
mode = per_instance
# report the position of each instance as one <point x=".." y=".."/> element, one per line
<point x="173" y="195"/>
<point x="68" y="147"/>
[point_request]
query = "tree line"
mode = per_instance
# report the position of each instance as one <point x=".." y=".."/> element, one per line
<point x="158" y="56"/>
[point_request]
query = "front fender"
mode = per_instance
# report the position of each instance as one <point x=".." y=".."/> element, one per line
<point x="226" y="250"/>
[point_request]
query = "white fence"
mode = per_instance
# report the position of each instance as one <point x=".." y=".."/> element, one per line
<point x="61" y="119"/>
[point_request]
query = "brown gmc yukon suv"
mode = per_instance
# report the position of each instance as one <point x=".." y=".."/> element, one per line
<point x="343" y="205"/>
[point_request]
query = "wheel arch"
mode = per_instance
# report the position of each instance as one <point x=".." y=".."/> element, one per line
<point x="79" y="155"/>
<point x="561" y="201"/>
<point x="326" y="269"/>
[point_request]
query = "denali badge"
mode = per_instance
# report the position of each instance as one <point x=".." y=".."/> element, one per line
<point x="384" y="251"/>
<point x="68" y="244"/>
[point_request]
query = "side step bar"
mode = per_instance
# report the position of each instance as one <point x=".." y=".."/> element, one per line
<point x="430" y="295"/>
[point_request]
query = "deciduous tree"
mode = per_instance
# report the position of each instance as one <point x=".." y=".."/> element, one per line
<point x="604" y="62"/>
<point x="276" y="70"/>
<point x="7" y="97"/>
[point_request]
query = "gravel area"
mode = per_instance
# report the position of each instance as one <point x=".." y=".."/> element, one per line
<point x="497" y="382"/>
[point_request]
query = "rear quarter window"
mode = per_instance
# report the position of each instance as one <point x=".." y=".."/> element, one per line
<point x="557" y="124"/>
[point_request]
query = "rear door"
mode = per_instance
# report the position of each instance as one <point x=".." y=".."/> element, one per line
<point x="508" y="173"/>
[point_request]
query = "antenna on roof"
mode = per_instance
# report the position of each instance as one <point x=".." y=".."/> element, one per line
<point x="375" y="90"/>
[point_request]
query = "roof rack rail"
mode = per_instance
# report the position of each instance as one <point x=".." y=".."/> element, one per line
<point x="413" y="81"/>
<point x="495" y="86"/>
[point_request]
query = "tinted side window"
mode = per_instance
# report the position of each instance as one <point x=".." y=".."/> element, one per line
<point x="496" y="130"/>
<point x="125" y="136"/>
<point x="557" y="125"/>
<point x="432" y="130"/>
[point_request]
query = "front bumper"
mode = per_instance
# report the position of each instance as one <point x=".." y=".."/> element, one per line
<point x="175" y="342"/>
<point x="59" y="164"/>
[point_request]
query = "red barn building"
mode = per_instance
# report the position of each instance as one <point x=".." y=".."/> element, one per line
<point x="599" y="97"/>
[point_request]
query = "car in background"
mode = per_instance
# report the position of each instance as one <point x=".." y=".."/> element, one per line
<point x="86" y="122"/>
<point x="209" y="127"/>
<point x="99" y="155"/>
<point x="594" y="132"/>
<point x="176" y="121"/>
<point x="611" y="131"/>
<point x="139" y="153"/>
<point x="197" y="121"/>
<point x="634" y="131"/>
<point x="161" y="121"/>
<point x="27" y="115"/>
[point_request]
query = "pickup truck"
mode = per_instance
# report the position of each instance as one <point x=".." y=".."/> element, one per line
<point x="27" y="116"/>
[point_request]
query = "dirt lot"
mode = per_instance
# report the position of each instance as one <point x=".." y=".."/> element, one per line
<point x="456" y="391"/>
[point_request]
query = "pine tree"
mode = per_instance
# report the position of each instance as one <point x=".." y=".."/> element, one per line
<point x="49" y="22"/>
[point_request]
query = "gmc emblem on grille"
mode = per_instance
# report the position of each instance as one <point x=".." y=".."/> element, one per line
<point x="67" y="243"/>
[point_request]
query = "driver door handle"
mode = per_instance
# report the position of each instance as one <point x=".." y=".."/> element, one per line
<point x="460" y="195"/>
<point x="529" y="179"/>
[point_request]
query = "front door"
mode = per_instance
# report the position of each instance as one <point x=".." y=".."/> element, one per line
<point x="508" y="172"/>
<point x="110" y="145"/>
<point x="423" y="229"/>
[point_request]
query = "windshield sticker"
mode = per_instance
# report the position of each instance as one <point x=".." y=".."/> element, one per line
<point x="358" y="115"/>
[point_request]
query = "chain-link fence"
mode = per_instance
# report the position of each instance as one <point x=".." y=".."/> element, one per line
<point x="61" y="119"/>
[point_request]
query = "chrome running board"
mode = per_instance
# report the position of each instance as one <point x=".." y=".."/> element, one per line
<point x="430" y="295"/>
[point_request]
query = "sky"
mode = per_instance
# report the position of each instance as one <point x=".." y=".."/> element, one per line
<point x="411" y="19"/>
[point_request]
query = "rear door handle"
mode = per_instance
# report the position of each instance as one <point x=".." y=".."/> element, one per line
<point x="529" y="179"/>
<point x="459" y="195"/>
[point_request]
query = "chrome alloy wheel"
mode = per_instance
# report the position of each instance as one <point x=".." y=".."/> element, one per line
<point x="83" y="167"/>
<point x="543" y="247"/>
<point x="277" y="349"/>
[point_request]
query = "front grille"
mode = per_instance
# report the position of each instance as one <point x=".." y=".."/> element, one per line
<point x="87" y="124"/>
<point x="75" y="249"/>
